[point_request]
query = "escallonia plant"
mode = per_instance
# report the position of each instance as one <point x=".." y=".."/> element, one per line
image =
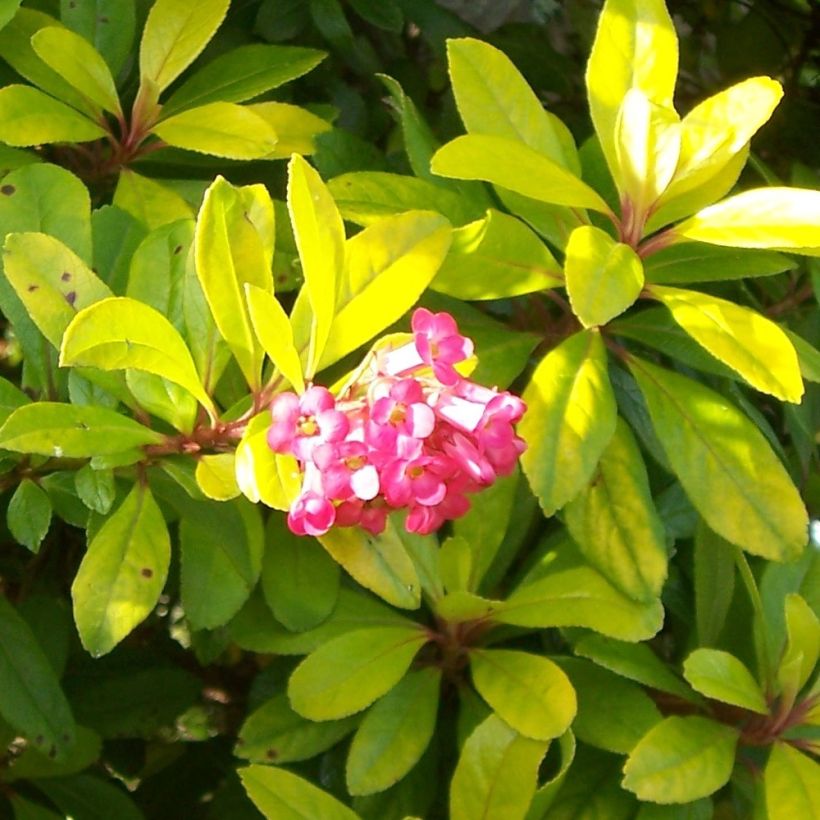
<point x="78" y="65"/>
<point x="178" y="414"/>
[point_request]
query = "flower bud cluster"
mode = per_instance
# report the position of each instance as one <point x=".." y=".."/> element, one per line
<point x="410" y="433"/>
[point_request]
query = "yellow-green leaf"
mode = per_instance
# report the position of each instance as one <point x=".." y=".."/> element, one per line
<point x="296" y="128"/>
<point x="149" y="201"/>
<point x="348" y="673"/>
<point x="647" y="147"/>
<point x="802" y="647"/>
<point x="493" y="98"/>
<point x="529" y="692"/>
<point x="216" y="476"/>
<point x="30" y="117"/>
<point x="494" y="258"/>
<point x="272" y="327"/>
<point x="604" y="277"/>
<point x="378" y="562"/>
<point x="78" y="62"/>
<point x="721" y="676"/>
<point x="320" y="238"/>
<point x="118" y="333"/>
<point x="387" y="266"/>
<point x="282" y="795"/>
<point x="122" y="574"/>
<point x="515" y="166"/>
<point x="718" y="129"/>
<point x="262" y="475"/>
<point x="725" y="464"/>
<point x="615" y="523"/>
<point x="221" y="129"/>
<point x="233" y="246"/>
<point x="681" y="759"/>
<point x="51" y="281"/>
<point x="635" y="47"/>
<point x="394" y="733"/>
<point x="497" y="773"/>
<point x="749" y="343"/>
<point x="569" y="421"/>
<point x="175" y="33"/>
<point x="780" y="218"/>
<point x="791" y="782"/>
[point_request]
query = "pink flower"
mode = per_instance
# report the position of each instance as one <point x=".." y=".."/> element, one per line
<point x="346" y="470"/>
<point x="417" y="482"/>
<point x="301" y="423"/>
<point x="371" y="516"/>
<point x="439" y="344"/>
<point x="401" y="413"/>
<point x="311" y="514"/>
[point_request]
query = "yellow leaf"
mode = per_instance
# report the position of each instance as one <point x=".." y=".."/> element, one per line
<point x="635" y="47"/>
<point x="647" y="147"/>
<point x="718" y="129"/>
<point x="782" y="218"/>
<point x="216" y="476"/>
<point x="749" y="343"/>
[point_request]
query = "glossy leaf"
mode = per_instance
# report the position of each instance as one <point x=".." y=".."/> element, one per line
<point x="365" y="197"/>
<point x="496" y="774"/>
<point x="717" y="129"/>
<point x="274" y="732"/>
<point x="348" y="673"/>
<point x="387" y="266"/>
<point x="635" y="47"/>
<point x="233" y="247"/>
<point x="122" y="573"/>
<point x="109" y="25"/>
<point x="394" y="733"/>
<point x="150" y="202"/>
<point x="261" y="474"/>
<point x="120" y="333"/>
<point x="615" y="523"/>
<point x="647" y="145"/>
<point x="174" y="35"/>
<point x="281" y="795"/>
<point x="32" y="701"/>
<point x="721" y="676"/>
<point x="724" y="463"/>
<point x="635" y="661"/>
<point x="242" y="74"/>
<point x="300" y="580"/>
<point x="530" y="693"/>
<point x="699" y="262"/>
<point x="681" y="759"/>
<point x="95" y="488"/>
<point x="493" y="98"/>
<point x="78" y="62"/>
<point x="749" y="343"/>
<point x="791" y="781"/>
<point x="596" y="689"/>
<point x="604" y="277"/>
<point x="50" y="280"/>
<point x="221" y="559"/>
<point x="72" y="431"/>
<point x="570" y="593"/>
<point x="780" y="218"/>
<point x="272" y="328"/>
<point x="296" y="128"/>
<point x="30" y="117"/>
<point x="496" y="257"/>
<point x="221" y="129"/>
<point x="379" y="563"/>
<point x="513" y="165"/>
<point x="29" y="514"/>
<point x="85" y="794"/>
<point x="320" y="238"/>
<point x="569" y="421"/>
<point x="802" y="646"/>
<point x="216" y="476"/>
<point x="163" y="399"/>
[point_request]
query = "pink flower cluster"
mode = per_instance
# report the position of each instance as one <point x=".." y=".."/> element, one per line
<point x="410" y="433"/>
